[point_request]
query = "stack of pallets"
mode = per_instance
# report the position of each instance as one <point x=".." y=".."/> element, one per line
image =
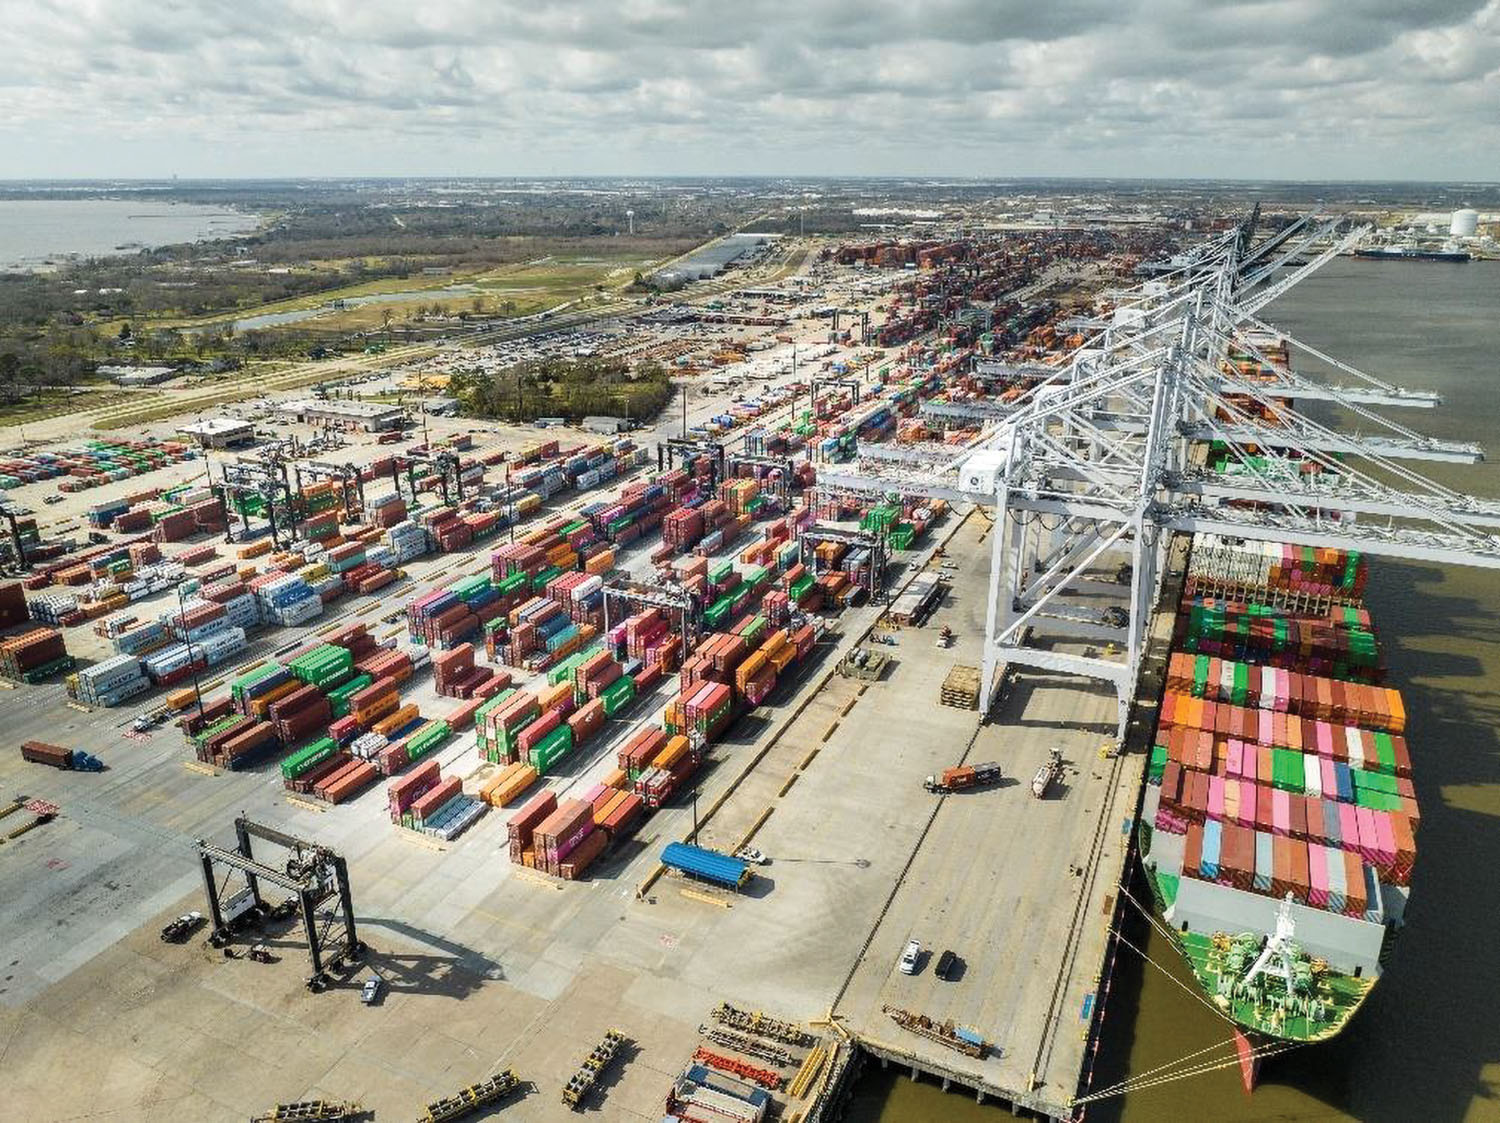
<point x="961" y="688"/>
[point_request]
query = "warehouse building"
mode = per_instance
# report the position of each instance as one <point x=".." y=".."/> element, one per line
<point x="736" y="250"/>
<point x="373" y="417"/>
<point x="218" y="432"/>
<point x="135" y="376"/>
<point x="609" y="425"/>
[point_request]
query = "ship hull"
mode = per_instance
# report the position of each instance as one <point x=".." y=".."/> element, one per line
<point x="1451" y="257"/>
<point x="1247" y="1046"/>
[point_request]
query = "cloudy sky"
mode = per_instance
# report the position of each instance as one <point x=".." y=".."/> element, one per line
<point x="1304" y="89"/>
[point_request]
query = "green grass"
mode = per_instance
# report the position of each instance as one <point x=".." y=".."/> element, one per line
<point x="24" y="412"/>
<point x="560" y="278"/>
<point x="377" y="287"/>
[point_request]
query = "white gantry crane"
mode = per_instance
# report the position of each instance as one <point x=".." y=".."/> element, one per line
<point x="1093" y="470"/>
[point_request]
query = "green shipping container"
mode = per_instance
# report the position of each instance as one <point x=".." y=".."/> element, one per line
<point x="619" y="694"/>
<point x="1158" y="763"/>
<point x="551" y="748"/>
<point x="304" y="760"/>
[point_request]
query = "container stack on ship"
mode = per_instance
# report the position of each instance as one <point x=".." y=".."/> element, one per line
<point x="1279" y="822"/>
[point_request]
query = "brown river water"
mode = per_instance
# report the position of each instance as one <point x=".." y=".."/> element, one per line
<point x="1426" y="1046"/>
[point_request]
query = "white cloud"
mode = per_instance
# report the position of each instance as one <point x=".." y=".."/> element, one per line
<point x="1281" y="88"/>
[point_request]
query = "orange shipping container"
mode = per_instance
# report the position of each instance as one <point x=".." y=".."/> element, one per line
<point x="401" y="717"/>
<point x="604" y="810"/>
<point x="259" y="706"/>
<point x="1396" y="707"/>
<point x="676" y="749"/>
<point x="749" y="669"/>
<point x="551" y="697"/>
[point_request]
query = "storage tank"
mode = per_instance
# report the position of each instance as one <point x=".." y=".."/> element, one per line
<point x="1465" y="223"/>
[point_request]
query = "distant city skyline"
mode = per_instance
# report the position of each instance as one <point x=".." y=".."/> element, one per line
<point x="1288" y="89"/>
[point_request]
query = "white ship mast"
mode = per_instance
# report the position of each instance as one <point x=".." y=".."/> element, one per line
<point x="1279" y="955"/>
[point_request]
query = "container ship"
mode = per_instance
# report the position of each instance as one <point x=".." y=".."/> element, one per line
<point x="1278" y="823"/>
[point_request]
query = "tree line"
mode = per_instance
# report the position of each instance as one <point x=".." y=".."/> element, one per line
<point x="560" y="387"/>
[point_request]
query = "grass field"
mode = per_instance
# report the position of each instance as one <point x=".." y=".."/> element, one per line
<point x="509" y="290"/>
<point x="380" y="287"/>
<point x="20" y="413"/>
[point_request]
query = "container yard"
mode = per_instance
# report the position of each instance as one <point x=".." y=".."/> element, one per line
<point x="570" y="708"/>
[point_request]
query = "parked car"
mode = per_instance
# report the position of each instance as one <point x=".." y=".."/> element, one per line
<point x="180" y="929"/>
<point x="370" y="992"/>
<point x="945" y="964"/>
<point x="911" y="956"/>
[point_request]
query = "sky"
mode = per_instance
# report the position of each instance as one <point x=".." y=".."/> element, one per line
<point x="1285" y="89"/>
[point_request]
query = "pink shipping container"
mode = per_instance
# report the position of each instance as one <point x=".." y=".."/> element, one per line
<point x="1216" y="797"/>
<point x="565" y="846"/>
<point x="1368" y="841"/>
<point x="1281" y="811"/>
<point x="1385" y="840"/>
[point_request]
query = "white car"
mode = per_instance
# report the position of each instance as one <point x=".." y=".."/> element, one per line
<point x="910" y="957"/>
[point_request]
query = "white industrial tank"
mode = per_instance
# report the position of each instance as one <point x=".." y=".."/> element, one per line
<point x="1465" y="223"/>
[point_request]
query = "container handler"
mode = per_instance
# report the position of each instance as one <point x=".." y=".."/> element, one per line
<point x="1047" y="775"/>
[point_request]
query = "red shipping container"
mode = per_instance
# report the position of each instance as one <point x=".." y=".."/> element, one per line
<point x="586" y="721"/>
<point x="624" y="816"/>
<point x="529" y="737"/>
<point x="535" y="811"/>
<point x="403" y="791"/>
<point x="430" y="801"/>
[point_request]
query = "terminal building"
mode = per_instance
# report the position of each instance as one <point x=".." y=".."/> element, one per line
<point x="218" y="432"/>
<point x="373" y="417"/>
